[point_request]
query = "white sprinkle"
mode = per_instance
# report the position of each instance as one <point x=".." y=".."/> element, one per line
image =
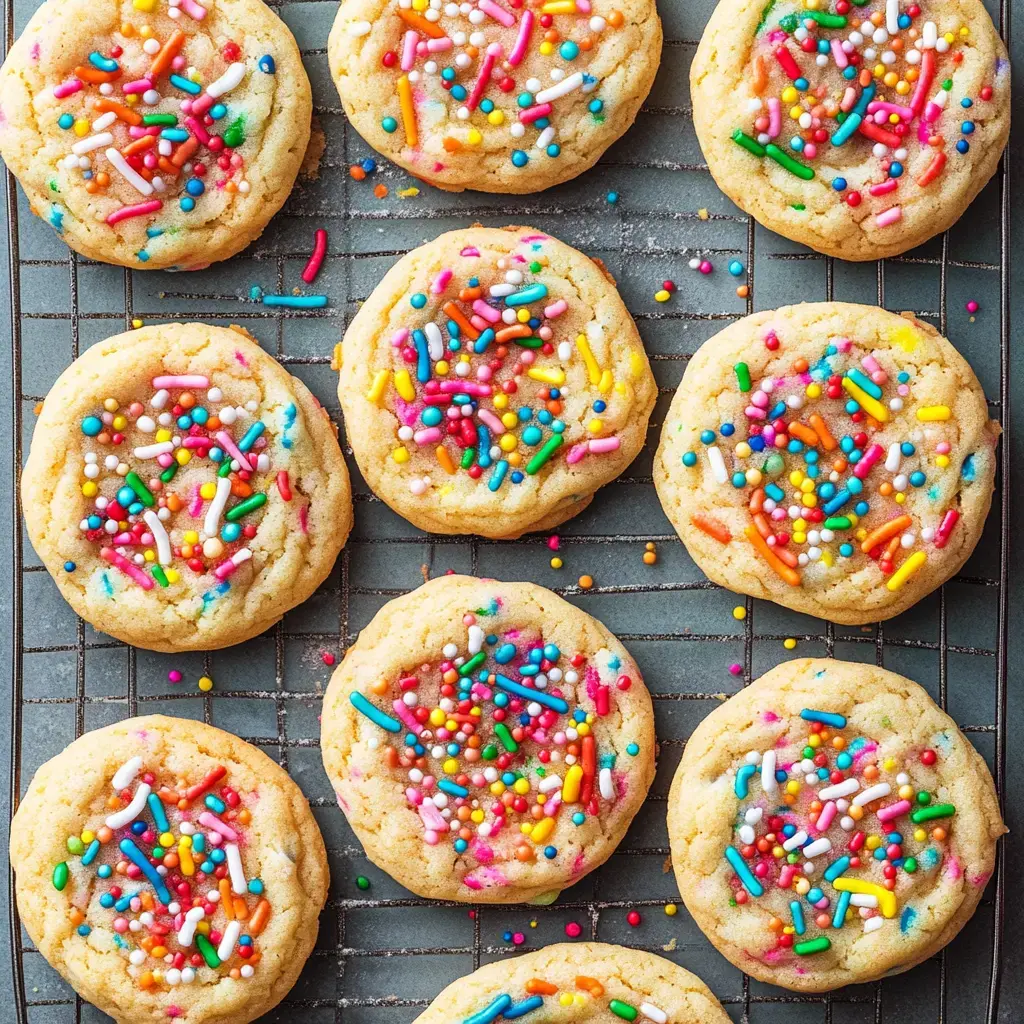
<point x="747" y="835"/>
<point x="768" y="783"/>
<point x="844" y="788"/>
<point x="653" y="1013"/>
<point x="795" y="840"/>
<point x="133" y="178"/>
<point x="549" y="783"/>
<point x="359" y="28"/>
<point x="121" y="818"/>
<point x="231" y="79"/>
<point x="718" y="470"/>
<point x="163" y="542"/>
<point x="211" y="523"/>
<point x="863" y="899"/>
<point x="151" y="451"/>
<point x="872" y="924"/>
<point x="227" y="945"/>
<point x="753" y="815"/>
<point x="188" y="929"/>
<point x="875" y="792"/>
<point x="606" y="784"/>
<point x="817" y="848"/>
<point x="476" y="639"/>
<point x="235" y="867"/>
<point x="562" y="88"/>
<point x="91" y="143"/>
<point x="125" y="775"/>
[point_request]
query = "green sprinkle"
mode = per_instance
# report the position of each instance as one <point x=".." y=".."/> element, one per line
<point x="783" y="159"/>
<point x="947" y="84"/>
<point x="134" y="481"/>
<point x="75" y="846"/>
<point x="822" y="942"/>
<point x="243" y="508"/>
<point x="765" y="11"/>
<point x="168" y="474"/>
<point x="789" y="23"/>
<point x="209" y="953"/>
<point x="799" y="207"/>
<point x="478" y="659"/>
<point x="160" y="576"/>
<point x="623" y="1010"/>
<point x="824" y="19"/>
<point x="234" y="134"/>
<point x="529" y="342"/>
<point x="60" y="876"/>
<point x="467" y="457"/>
<point x="551" y="445"/>
<point x="910" y="865"/>
<point x="362" y="882"/>
<point x="501" y="731"/>
<point x="838" y="523"/>
<point x="933" y="812"/>
<point x="750" y="145"/>
<point x="489" y="753"/>
<point x="164" y="119"/>
<point x="225" y="467"/>
<point x="742" y="376"/>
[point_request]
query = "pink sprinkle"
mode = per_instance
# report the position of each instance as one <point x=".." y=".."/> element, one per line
<point x="140" y="85"/>
<point x="228" y="445"/>
<point x="409" y="50"/>
<point x="553" y="542"/>
<point x="736" y="669"/>
<point x="576" y="453"/>
<point x="890" y="216"/>
<point x="138" y="210"/>
<point x="470" y="250"/>
<point x="489" y="313"/>
<point x="68" y="88"/>
<point x="893" y="810"/>
<point x="193" y="10"/>
<point x="603" y="444"/>
<point x="828" y="812"/>
<point x="181" y="380"/>
<point x="556" y="309"/>
<point x="523" y="39"/>
<point x="440" y="282"/>
<point x="499" y="14"/>
<point x="706" y="267"/>
<point x="174" y="676"/>
<point x="972" y="306"/>
<point x="535" y="113"/>
<point x="211" y="821"/>
<point x="573" y="930"/>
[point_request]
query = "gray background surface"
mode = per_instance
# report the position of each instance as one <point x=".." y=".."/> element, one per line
<point x="384" y="954"/>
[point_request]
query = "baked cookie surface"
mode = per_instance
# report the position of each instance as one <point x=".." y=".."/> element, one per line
<point x="183" y="489"/>
<point x="860" y="128"/>
<point x="603" y="984"/>
<point x="830" y="825"/>
<point x="169" y="870"/>
<point x="492" y="382"/>
<point x="158" y="135"/>
<point x="488" y="742"/>
<point x="491" y="96"/>
<point x="834" y="458"/>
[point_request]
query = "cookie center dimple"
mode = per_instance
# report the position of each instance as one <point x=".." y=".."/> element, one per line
<point x="864" y="95"/>
<point x="840" y="464"/>
<point x="507" y="745"/>
<point x="834" y="837"/>
<point x="162" y="878"/>
<point x="177" y="485"/>
<point x="483" y="383"/>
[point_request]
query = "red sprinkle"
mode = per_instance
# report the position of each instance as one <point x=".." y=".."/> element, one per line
<point x="573" y="930"/>
<point x="282" y="485"/>
<point x="928" y="757"/>
<point x="316" y="259"/>
<point x="633" y="918"/>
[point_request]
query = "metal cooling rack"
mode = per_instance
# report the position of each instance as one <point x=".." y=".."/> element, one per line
<point x="382" y="955"/>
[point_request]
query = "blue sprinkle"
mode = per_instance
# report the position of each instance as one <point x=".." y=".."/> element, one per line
<point x="266" y="64"/>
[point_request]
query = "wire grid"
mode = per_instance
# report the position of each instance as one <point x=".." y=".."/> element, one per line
<point x="381" y="956"/>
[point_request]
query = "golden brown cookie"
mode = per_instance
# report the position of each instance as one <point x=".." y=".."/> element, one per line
<point x="183" y="489"/>
<point x="830" y="825"/>
<point x="155" y="135"/>
<point x="860" y="128"/>
<point x="169" y="870"/>
<point x="836" y="459"/>
<point x="488" y="742"/>
<point x="492" y="382"/>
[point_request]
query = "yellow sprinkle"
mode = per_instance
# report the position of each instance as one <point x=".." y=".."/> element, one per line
<point x="662" y="295"/>
<point x="671" y="909"/>
<point x="81" y="128"/>
<point x="556" y="563"/>
<point x="906" y="570"/>
<point x="183" y="456"/>
<point x="146" y="6"/>
<point x="739" y="612"/>
<point x="886" y="899"/>
<point x="942" y="461"/>
<point x="559" y="7"/>
<point x="149" y="555"/>
<point x="474" y="138"/>
<point x="636" y="363"/>
<point x="789" y="643"/>
<point x="593" y="370"/>
<point x="185" y="861"/>
<point x="571" y="785"/>
<point x="703" y="213"/>
<point x="546" y="48"/>
<point x="933" y="413"/>
<point x="408" y="193"/>
<point x="89" y="489"/>
<point x="205" y="684"/>
<point x="509" y="420"/>
<point x="545" y="826"/>
<point x="595" y="426"/>
<point x="163" y="434"/>
<point x="508" y="442"/>
<point x="906" y="337"/>
<point x="604" y="385"/>
<point x="379" y="386"/>
<point x="565" y="999"/>
<point x="870" y="405"/>
<point x="400" y="454"/>
<point x="441" y="367"/>
<point x="546" y="375"/>
<point x="496" y="117"/>
<point x="408" y="111"/>
<point x="403" y="384"/>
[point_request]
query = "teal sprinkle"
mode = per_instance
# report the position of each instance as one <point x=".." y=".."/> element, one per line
<point x="143" y="256"/>
<point x="211" y="595"/>
<point x="967" y="470"/>
<point x="120" y="942"/>
<point x="107" y="585"/>
<point x="57" y="219"/>
<point x="933" y="492"/>
<point x="154" y="232"/>
<point x="606" y="761"/>
<point x="929" y="856"/>
<point x="907" y="919"/>
<point x="289" y="421"/>
<point x="614" y="663"/>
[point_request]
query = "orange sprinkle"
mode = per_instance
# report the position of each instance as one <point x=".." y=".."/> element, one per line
<point x="615" y="19"/>
<point x="380" y="190"/>
<point x="356" y="173"/>
<point x="184" y="151"/>
<point x="591" y="985"/>
<point x="451" y="144"/>
<point x="800" y="365"/>
<point x="454" y="313"/>
<point x="791" y="576"/>
<point x="126" y="114"/>
<point x="225" y="898"/>
<point x="420" y="24"/>
<point x="802" y="433"/>
<point x="756" y="501"/>
<point x="469" y="294"/>
<point x="445" y="459"/>
<point x="94" y="76"/>
<point x="139" y="145"/>
<point x="76" y="917"/>
<point x="162" y="61"/>
<point x="712" y="528"/>
<point x="515" y="331"/>
<point x="760" y="76"/>
<point x="763" y="527"/>
<point x="240" y="908"/>
<point x="828" y="442"/>
<point x="536" y="987"/>
<point x="885" y="531"/>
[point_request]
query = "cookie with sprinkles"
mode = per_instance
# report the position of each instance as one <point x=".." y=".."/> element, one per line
<point x="860" y="128"/>
<point x="834" y="458"/>
<point x="494" y="95"/>
<point x="572" y="981"/>
<point x="488" y="742"/>
<point x="492" y="382"/>
<point x="158" y="134"/>
<point x="183" y="489"/>
<point x="169" y="870"/>
<point x="830" y="825"/>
